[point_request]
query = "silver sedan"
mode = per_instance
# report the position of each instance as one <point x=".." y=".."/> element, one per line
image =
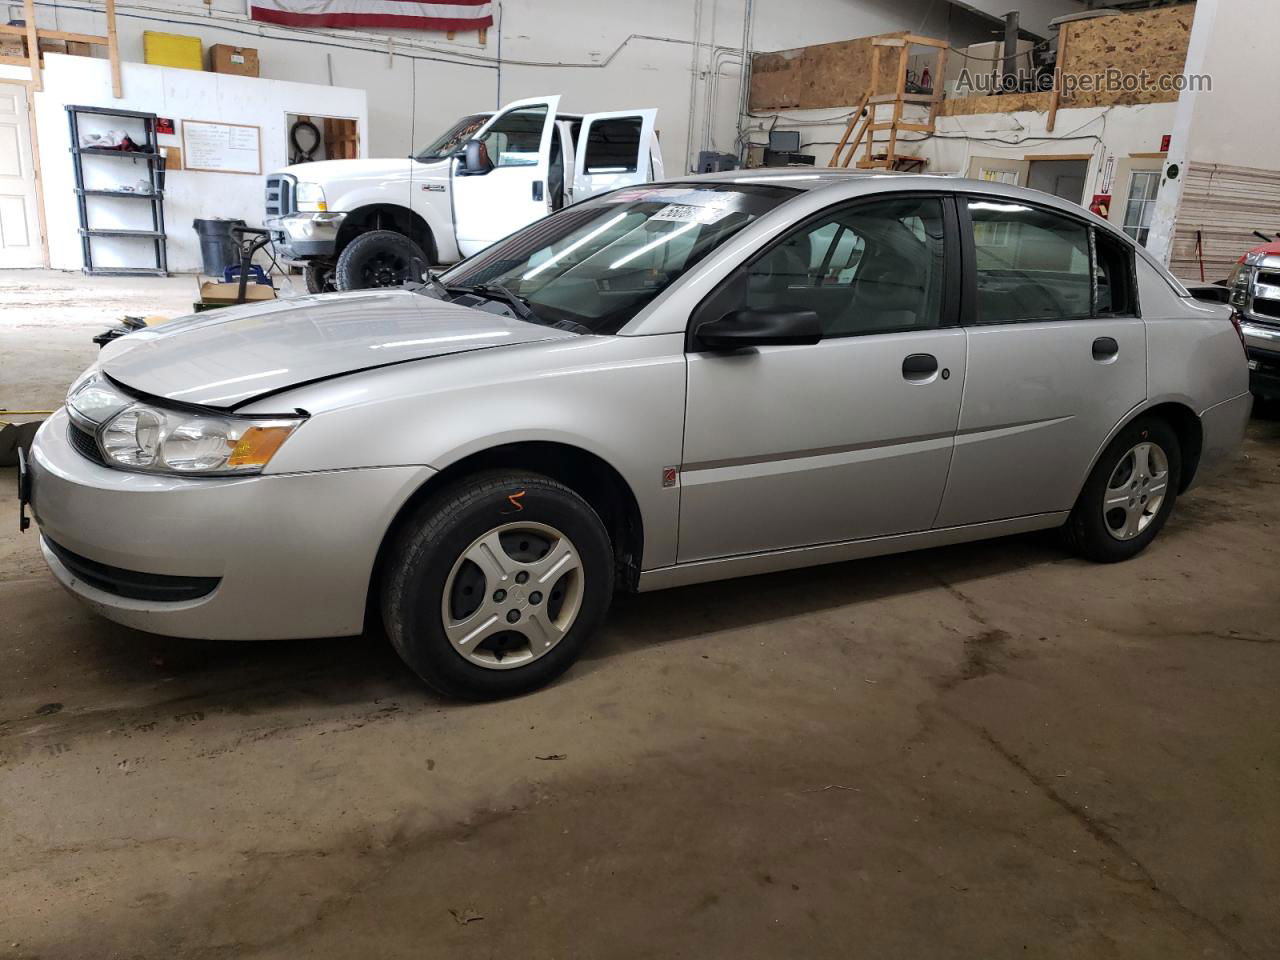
<point x="685" y="381"/>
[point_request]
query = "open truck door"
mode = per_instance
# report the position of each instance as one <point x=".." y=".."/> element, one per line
<point x="615" y="149"/>
<point x="500" y="184"/>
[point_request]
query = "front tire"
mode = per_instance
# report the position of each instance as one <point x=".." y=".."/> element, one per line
<point x="318" y="276"/>
<point x="1129" y="495"/>
<point x="494" y="586"/>
<point x="379" y="258"/>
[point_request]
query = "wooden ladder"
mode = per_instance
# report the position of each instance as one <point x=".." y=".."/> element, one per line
<point x="860" y="133"/>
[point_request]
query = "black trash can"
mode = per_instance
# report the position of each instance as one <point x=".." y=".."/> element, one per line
<point x="218" y="249"/>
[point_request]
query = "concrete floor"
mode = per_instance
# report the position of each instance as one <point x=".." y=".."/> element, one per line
<point x="982" y="751"/>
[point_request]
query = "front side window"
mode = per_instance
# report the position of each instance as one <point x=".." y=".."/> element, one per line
<point x="613" y="145"/>
<point x="1031" y="264"/>
<point x="596" y="264"/>
<point x="516" y="137"/>
<point x="873" y="267"/>
<point x="1141" y="207"/>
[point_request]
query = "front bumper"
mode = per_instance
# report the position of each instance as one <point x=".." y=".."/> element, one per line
<point x="1262" y="344"/>
<point x="292" y="554"/>
<point x="306" y="236"/>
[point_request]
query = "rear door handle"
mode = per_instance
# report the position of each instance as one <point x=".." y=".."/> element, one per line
<point x="919" y="367"/>
<point x="537" y="190"/>
<point x="1105" y="349"/>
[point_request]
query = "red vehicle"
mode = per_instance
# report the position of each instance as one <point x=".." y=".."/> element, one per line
<point x="1255" y="296"/>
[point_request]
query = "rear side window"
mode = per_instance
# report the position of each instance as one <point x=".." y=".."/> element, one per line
<point x="1114" y="277"/>
<point x="1031" y="264"/>
<point x="613" y="145"/>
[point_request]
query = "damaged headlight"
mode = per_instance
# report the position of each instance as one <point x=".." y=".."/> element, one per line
<point x="142" y="436"/>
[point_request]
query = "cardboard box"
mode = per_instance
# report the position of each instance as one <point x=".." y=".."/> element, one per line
<point x="11" y="46"/>
<point x="224" y="58"/>
<point x="172" y="50"/>
<point x="78" y="49"/>
<point x="223" y="294"/>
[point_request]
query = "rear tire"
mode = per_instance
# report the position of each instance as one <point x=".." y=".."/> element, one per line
<point x="494" y="586"/>
<point x="379" y="258"/>
<point x="1129" y="495"/>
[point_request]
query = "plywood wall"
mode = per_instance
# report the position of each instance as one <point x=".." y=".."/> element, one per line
<point x="839" y="74"/>
<point x="825" y="75"/>
<point x="1154" y="41"/>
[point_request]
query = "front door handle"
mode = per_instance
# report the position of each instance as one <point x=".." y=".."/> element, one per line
<point x="1105" y="349"/>
<point x="919" y="367"/>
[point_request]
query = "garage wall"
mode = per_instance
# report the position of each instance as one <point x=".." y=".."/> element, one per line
<point x="177" y="94"/>
<point x="607" y="54"/>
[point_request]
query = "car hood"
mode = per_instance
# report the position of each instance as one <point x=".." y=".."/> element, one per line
<point x="227" y="357"/>
<point x="330" y="171"/>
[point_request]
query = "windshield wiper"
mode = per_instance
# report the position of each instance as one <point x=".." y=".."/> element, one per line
<point x="496" y="291"/>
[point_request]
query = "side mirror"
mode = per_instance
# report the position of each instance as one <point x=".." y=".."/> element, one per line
<point x="759" y="328"/>
<point x="475" y="159"/>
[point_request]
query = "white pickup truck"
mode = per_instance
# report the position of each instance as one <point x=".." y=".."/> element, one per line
<point x="355" y="224"/>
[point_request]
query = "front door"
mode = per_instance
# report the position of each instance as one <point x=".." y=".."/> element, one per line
<point x="791" y="446"/>
<point x="515" y="192"/>
<point x="19" y="226"/>
<point x="1057" y="358"/>
<point x="613" y="150"/>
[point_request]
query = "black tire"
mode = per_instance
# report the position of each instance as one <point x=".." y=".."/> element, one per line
<point x="379" y="258"/>
<point x="318" y="276"/>
<point x="428" y="544"/>
<point x="1086" y="531"/>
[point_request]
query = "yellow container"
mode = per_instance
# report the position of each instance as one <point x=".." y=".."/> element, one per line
<point x="172" y="50"/>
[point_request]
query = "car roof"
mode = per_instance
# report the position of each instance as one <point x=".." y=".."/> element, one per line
<point x="834" y="179"/>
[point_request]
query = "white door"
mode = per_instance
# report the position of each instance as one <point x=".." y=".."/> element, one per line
<point x="489" y="206"/>
<point x="19" y="227"/>
<point x="614" y="150"/>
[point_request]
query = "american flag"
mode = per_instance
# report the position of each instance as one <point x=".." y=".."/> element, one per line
<point x="397" y="14"/>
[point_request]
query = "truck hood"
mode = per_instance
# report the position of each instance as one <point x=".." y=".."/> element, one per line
<point x="331" y="171"/>
<point x="228" y="357"/>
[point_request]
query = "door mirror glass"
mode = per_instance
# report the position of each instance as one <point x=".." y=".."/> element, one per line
<point x="758" y="328"/>
<point x="475" y="159"/>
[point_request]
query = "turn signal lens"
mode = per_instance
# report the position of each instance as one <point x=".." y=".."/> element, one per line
<point x="259" y="445"/>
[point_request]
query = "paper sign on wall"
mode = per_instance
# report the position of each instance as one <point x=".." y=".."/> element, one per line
<point x="222" y="147"/>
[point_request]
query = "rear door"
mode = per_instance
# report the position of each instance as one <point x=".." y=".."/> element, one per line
<point x="1057" y="358"/>
<point x="613" y="150"/>
<point x="488" y="207"/>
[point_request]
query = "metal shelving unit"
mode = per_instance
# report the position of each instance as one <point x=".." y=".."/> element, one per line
<point x="149" y="154"/>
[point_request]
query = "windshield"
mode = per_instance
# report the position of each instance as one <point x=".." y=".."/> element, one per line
<point x="451" y="141"/>
<point x="596" y="264"/>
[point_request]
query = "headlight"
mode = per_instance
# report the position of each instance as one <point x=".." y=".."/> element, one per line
<point x="310" y="198"/>
<point x="143" y="437"/>
<point x="139" y="436"/>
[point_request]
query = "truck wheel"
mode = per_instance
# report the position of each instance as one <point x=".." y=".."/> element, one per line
<point x="318" y="276"/>
<point x="379" y="258"/>
<point x="494" y="586"/>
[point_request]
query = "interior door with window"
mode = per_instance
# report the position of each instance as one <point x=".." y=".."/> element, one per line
<point x="489" y="206"/>
<point x="848" y="438"/>
<point x="1057" y="357"/>
<point x="19" y="227"/>
<point x="613" y="151"/>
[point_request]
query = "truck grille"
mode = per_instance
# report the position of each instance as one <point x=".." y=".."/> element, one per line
<point x="1255" y="289"/>
<point x="280" y="200"/>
